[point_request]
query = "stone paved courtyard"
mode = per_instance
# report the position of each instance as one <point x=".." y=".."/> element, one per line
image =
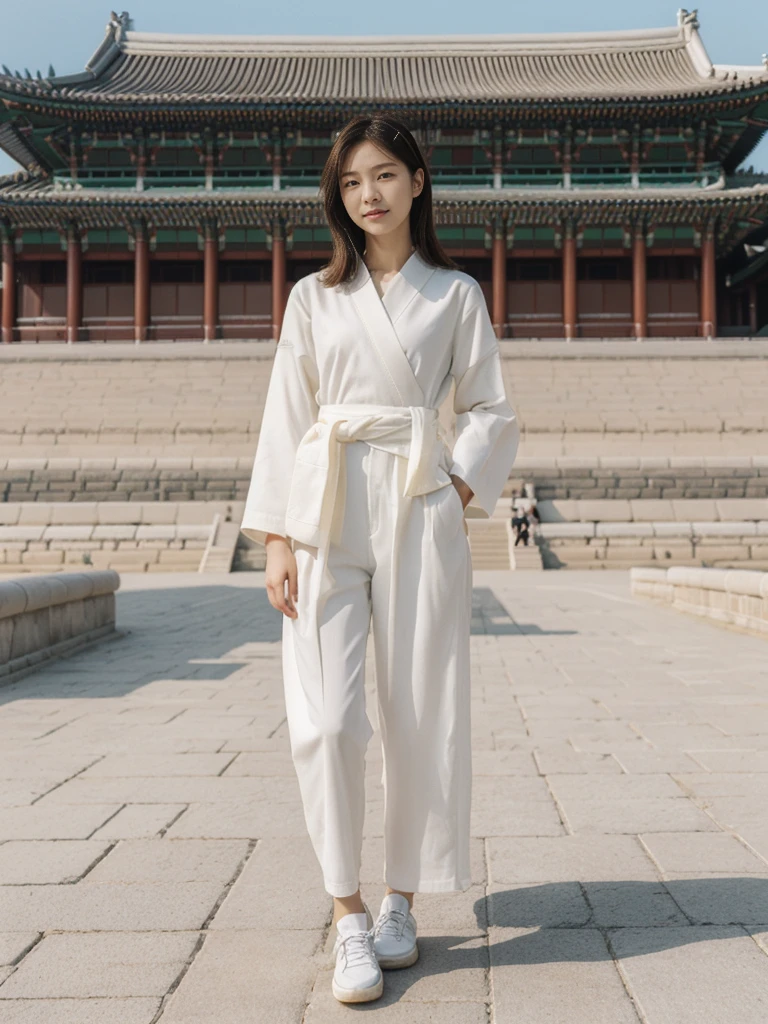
<point x="155" y="866"/>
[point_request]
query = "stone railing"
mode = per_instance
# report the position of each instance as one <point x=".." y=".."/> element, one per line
<point x="42" y="617"/>
<point x="734" y="597"/>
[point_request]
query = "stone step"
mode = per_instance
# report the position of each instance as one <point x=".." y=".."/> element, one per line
<point x="489" y="543"/>
<point x="220" y="554"/>
<point x="526" y="557"/>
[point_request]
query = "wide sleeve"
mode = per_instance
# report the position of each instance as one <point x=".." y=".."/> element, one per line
<point x="487" y="431"/>
<point x="290" y="409"/>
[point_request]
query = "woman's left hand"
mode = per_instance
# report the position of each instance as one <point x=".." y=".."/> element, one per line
<point x="465" y="491"/>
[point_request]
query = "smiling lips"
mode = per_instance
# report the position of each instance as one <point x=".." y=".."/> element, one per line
<point x="376" y="213"/>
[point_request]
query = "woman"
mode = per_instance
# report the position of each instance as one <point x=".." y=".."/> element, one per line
<point x="360" y="503"/>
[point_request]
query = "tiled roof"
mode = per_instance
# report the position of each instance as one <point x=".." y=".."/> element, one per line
<point x="138" y="68"/>
<point x="29" y="188"/>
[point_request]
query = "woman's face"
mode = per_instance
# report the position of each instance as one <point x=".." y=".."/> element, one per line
<point x="377" y="189"/>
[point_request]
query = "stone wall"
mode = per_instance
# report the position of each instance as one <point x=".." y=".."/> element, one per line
<point x="45" y="616"/>
<point x="732" y="598"/>
<point x="192" y="478"/>
<point x="619" y="545"/>
<point x="580" y="398"/>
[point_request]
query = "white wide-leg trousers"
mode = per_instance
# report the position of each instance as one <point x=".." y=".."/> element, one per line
<point x="421" y="658"/>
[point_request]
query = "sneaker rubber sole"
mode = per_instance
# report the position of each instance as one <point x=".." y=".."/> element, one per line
<point x="358" y="995"/>
<point x="392" y="963"/>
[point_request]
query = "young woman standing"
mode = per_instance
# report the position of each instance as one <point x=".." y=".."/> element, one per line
<point x="361" y="503"/>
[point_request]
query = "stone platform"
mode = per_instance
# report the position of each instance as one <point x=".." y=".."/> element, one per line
<point x="154" y="857"/>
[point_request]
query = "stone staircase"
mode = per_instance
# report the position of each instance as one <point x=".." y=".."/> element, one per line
<point x="219" y="554"/>
<point x="488" y="543"/>
<point x="521" y="557"/>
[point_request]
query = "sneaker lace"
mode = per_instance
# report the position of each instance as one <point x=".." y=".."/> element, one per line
<point x="358" y="949"/>
<point x="393" y="922"/>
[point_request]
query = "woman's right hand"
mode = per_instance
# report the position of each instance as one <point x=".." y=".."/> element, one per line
<point x="281" y="566"/>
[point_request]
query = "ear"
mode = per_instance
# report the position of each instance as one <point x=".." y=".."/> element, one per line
<point x="418" y="180"/>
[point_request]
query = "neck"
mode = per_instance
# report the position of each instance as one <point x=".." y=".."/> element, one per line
<point x="387" y="255"/>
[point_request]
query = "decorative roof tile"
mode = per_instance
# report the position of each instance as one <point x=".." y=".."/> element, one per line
<point x="150" y="68"/>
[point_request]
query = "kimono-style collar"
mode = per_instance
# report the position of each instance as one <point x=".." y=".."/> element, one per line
<point x="379" y="317"/>
<point x="403" y="287"/>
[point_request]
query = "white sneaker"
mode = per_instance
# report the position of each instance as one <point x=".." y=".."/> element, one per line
<point x="394" y="934"/>
<point x="357" y="977"/>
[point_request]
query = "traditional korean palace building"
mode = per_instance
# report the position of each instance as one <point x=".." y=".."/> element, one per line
<point x="588" y="181"/>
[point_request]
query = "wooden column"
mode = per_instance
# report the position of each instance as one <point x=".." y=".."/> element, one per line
<point x="570" y="306"/>
<point x="639" y="289"/>
<point x="9" y="288"/>
<point x="708" y="286"/>
<point x="278" y="279"/>
<point x="74" y="284"/>
<point x="499" y="279"/>
<point x="211" y="283"/>
<point x="141" y="285"/>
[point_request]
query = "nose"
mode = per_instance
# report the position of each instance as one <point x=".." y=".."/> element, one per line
<point x="371" y="192"/>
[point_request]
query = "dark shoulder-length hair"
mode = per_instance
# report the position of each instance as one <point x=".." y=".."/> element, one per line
<point x="390" y="134"/>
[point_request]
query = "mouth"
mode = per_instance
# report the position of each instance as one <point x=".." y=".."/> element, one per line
<point x="375" y="214"/>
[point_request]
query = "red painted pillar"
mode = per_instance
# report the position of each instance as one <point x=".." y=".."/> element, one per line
<point x="278" y="279"/>
<point x="639" y="287"/>
<point x="499" y="278"/>
<point x="141" y="286"/>
<point x="708" y="286"/>
<point x="211" y="286"/>
<point x="570" y="305"/>
<point x="74" y="284"/>
<point x="9" y="289"/>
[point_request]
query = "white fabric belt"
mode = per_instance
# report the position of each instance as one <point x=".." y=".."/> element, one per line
<point x="412" y="432"/>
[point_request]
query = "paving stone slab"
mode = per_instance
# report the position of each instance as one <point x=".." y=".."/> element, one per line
<point x="140" y="821"/>
<point x="563" y="759"/>
<point x="242" y="976"/>
<point x="630" y="904"/>
<point x="553" y="905"/>
<point x="613" y="787"/>
<point x="687" y="975"/>
<point x="568" y="858"/>
<point x="14" y="944"/>
<point x="558" y="975"/>
<point x="170" y="860"/>
<point x="710" y="784"/>
<point x="392" y="1008"/>
<point x="51" y="822"/>
<point x="101" y="964"/>
<point x="665" y="814"/>
<point x="702" y="851"/>
<point x="163" y="765"/>
<point x="105" y="907"/>
<point x="39" y="862"/>
<point x="176" y="789"/>
<point x="711" y="898"/>
<point x="79" y="1011"/>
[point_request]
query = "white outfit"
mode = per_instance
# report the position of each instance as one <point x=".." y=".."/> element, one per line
<point x="352" y="464"/>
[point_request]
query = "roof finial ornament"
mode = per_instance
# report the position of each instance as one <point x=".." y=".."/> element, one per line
<point x="119" y="24"/>
<point x="688" y="19"/>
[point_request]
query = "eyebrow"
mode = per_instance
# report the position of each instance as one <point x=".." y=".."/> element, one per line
<point x="387" y="163"/>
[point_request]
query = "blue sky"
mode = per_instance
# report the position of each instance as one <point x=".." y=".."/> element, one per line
<point x="37" y="33"/>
